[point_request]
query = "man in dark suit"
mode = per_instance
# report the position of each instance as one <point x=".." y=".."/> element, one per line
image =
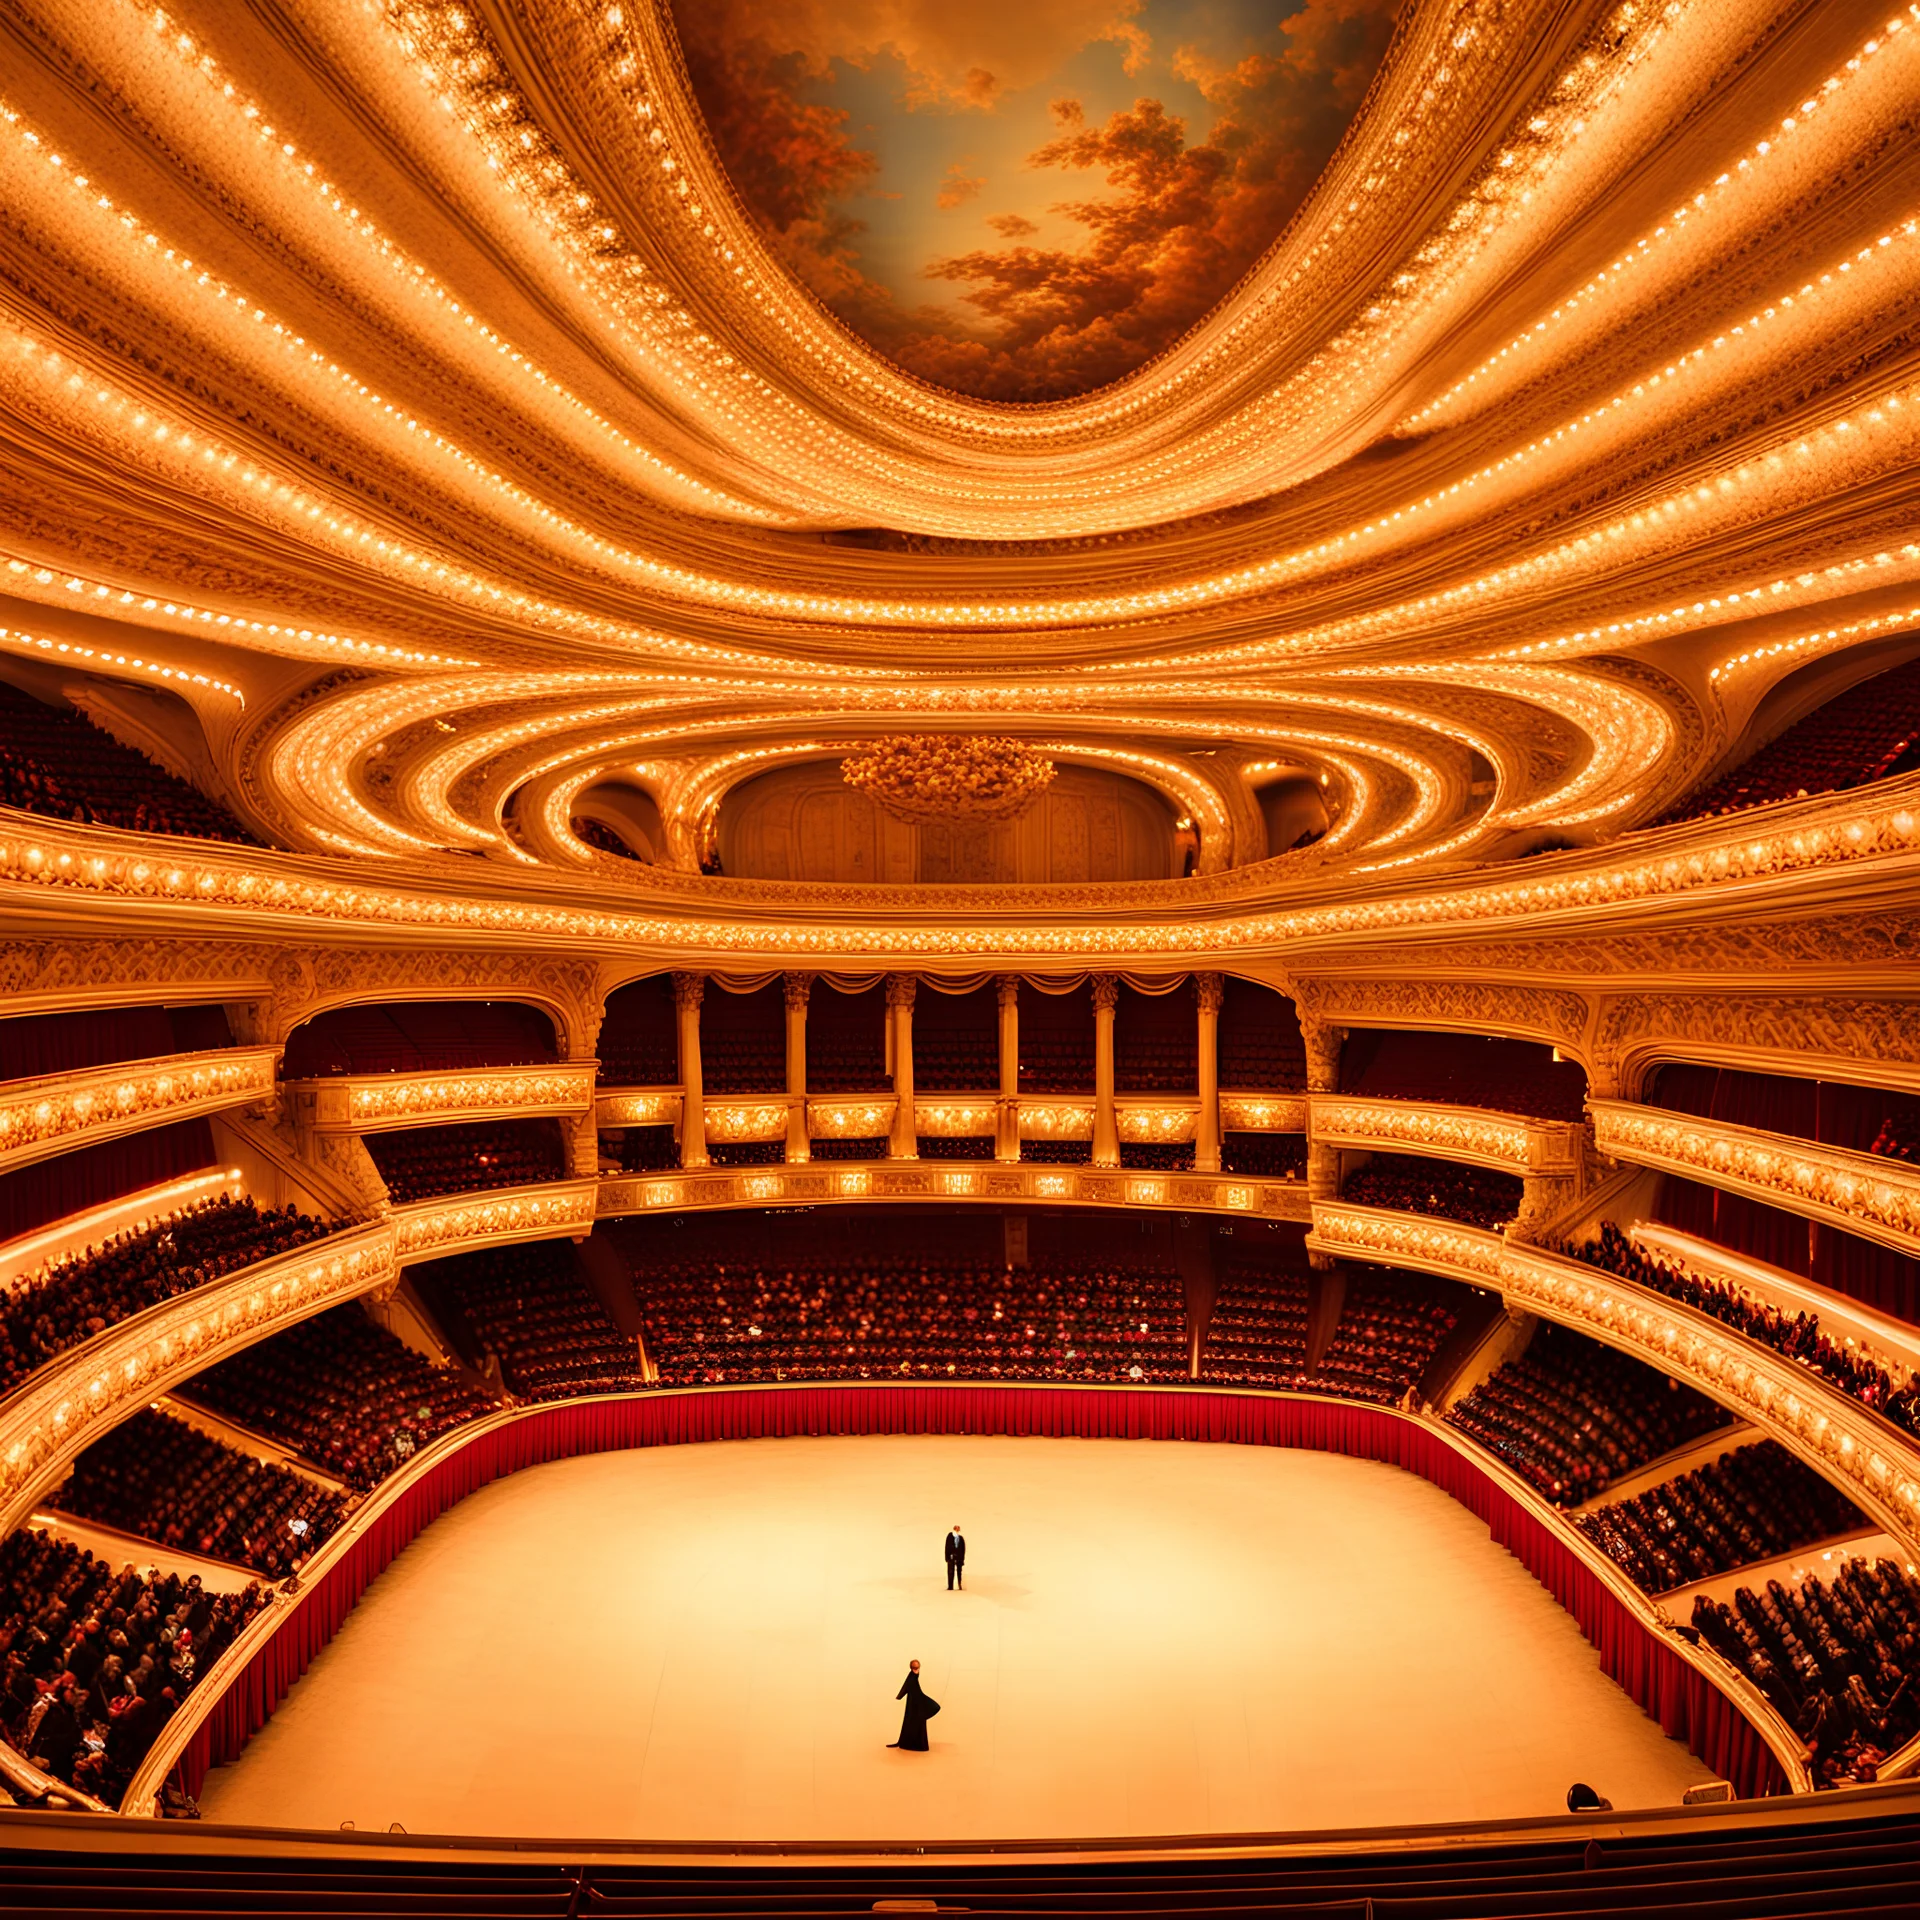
<point x="956" y="1558"/>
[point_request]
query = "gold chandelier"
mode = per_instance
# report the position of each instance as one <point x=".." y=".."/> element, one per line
<point x="938" y="779"/>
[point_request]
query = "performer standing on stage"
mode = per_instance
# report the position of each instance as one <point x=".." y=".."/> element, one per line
<point x="956" y="1558"/>
<point x="920" y="1709"/>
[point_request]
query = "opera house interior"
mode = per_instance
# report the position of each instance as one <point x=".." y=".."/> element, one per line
<point x="1130" y="782"/>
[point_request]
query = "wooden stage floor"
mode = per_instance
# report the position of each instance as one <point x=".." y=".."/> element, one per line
<point x="1157" y="1638"/>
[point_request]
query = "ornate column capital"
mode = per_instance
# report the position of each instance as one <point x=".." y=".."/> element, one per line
<point x="796" y="987"/>
<point x="1106" y="992"/>
<point x="1006" y="987"/>
<point x="900" y="989"/>
<point x="689" y="989"/>
<point x="1211" y="989"/>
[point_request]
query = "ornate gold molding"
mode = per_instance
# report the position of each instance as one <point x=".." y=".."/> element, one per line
<point x="1052" y="1116"/>
<point x="956" y="1116"/>
<point x="1546" y="1013"/>
<point x="1263" y="1113"/>
<point x="1515" y="1143"/>
<point x="58" y="1111"/>
<point x="1860" y="1192"/>
<point x="850" y="1116"/>
<point x="733" y="1117"/>
<point x="462" y="1222"/>
<point x="374" y="1103"/>
<point x="637" y="1107"/>
<point x="70" y="1403"/>
<point x="1154" y="1119"/>
<point x="1392" y="1239"/>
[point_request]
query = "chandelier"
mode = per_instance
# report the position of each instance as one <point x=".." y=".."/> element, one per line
<point x="930" y="779"/>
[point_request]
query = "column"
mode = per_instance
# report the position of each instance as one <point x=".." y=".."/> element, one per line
<point x="1210" y="989"/>
<point x="688" y="990"/>
<point x="905" y="1144"/>
<point x="1007" y="1131"/>
<point x="797" y="985"/>
<point x="1106" y="1127"/>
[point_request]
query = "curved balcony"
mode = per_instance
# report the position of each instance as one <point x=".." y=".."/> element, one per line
<point x="1426" y="1243"/>
<point x="387" y="1102"/>
<point x="1250" y="1112"/>
<point x="821" y="1183"/>
<point x="56" y="1112"/>
<point x="1859" y="1193"/>
<point x="495" y="1217"/>
<point x="637" y="1106"/>
<point x="68" y="1404"/>
<point x="1477" y="1136"/>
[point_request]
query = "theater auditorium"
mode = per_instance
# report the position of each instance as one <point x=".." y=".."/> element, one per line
<point x="960" y="958"/>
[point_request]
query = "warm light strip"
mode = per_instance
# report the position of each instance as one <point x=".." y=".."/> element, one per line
<point x="32" y="1251"/>
<point x="51" y="1112"/>
<point x="16" y="640"/>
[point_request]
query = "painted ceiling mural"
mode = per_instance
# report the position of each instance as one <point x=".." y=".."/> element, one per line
<point x="1024" y="200"/>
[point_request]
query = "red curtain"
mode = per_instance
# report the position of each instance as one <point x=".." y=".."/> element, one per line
<point x="91" y="1176"/>
<point x="1685" y="1704"/>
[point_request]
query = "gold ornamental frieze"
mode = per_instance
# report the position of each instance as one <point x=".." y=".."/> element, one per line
<point x="465" y="1222"/>
<point x="1511" y="1142"/>
<point x="379" y="1102"/>
<point x="1426" y="1243"/>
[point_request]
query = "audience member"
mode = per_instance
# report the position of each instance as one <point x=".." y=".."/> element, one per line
<point x="1410" y="1183"/>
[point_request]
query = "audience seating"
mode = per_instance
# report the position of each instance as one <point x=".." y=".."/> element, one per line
<point x="422" y="1163"/>
<point x="887" y="1319"/>
<point x="1157" y="1156"/>
<point x="159" y="1477"/>
<point x="426" y="1036"/>
<point x="844" y="1063"/>
<point x="1839" y="1658"/>
<point x="1750" y="1504"/>
<point x="966" y="1146"/>
<point x="1570" y="1415"/>
<point x="1870" y="732"/>
<point x="97" y="1661"/>
<point x="843" y="1148"/>
<point x="1463" y="1070"/>
<point x="1055" y="1063"/>
<point x="528" y="1305"/>
<point x="1898" y="1138"/>
<point x="1408" y="1183"/>
<point x="956" y="1061"/>
<point x="602" y="838"/>
<point x="1258" y="1334"/>
<point x="1391" y="1326"/>
<point x="1265" y="1156"/>
<point x="68" y="1301"/>
<point x="1057" y="1153"/>
<point x="342" y="1392"/>
<point x="54" y="761"/>
<point x="746" y="1153"/>
<point x="648" y="1150"/>
<point x="1150" y="1063"/>
<point x="1894" y="1394"/>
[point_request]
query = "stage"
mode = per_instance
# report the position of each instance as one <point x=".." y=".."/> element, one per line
<point x="1157" y="1638"/>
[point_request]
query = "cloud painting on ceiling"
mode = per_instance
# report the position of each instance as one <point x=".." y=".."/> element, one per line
<point x="1027" y="199"/>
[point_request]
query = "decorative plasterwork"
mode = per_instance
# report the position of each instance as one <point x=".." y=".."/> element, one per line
<point x="1516" y="1143"/>
<point x="1420" y="1241"/>
<point x="733" y="1119"/>
<point x="1545" y="1013"/>
<point x="1871" y="1460"/>
<point x="464" y="1222"/>
<point x="637" y="1107"/>
<point x="374" y="1103"/>
<point x="1045" y="1116"/>
<point x="58" y="1111"/>
<point x="850" y="1116"/>
<point x="52" y="975"/>
<point x="1860" y="1193"/>
<point x="66" y="1406"/>
<point x="956" y="1117"/>
<point x="1156" y="1120"/>
<point x="885" y="1180"/>
<point x="1263" y="1113"/>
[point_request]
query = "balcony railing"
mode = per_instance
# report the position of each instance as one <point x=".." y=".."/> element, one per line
<point x="1477" y="1136"/>
<point x="56" y="1112"/>
<point x="497" y="1217"/>
<point x="1860" y="1193"/>
<point x="384" y="1102"/>
<point x="1428" y="1243"/>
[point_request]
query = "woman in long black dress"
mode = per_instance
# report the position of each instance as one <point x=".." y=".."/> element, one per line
<point x="921" y="1708"/>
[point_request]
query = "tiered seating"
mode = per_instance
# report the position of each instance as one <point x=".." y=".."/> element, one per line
<point x="847" y="1063"/>
<point x="1898" y="1138"/>
<point x="1750" y="1504"/>
<point x="1265" y="1156"/>
<point x="1892" y="1392"/>
<point x="1057" y="1153"/>
<point x="1054" y="1063"/>
<point x="53" y="761"/>
<point x="602" y="838"/>
<point x="844" y="1148"/>
<point x="639" y="1042"/>
<point x="528" y="1305"/>
<point x="420" y="1036"/>
<point x="341" y="1391"/>
<point x="97" y="1661"/>
<point x="423" y="1162"/>
<point x="69" y="1301"/>
<point x="1154" y="1063"/>
<point x="955" y="1060"/>
<point x="1390" y="1328"/>
<point x="157" y="1476"/>
<point x="1259" y="1047"/>
<point x="1570" y="1415"/>
<point x="1474" y="1196"/>
<point x="1157" y="1156"/>
<point x="932" y="1146"/>
<point x="1258" y="1334"/>
<point x="1870" y="732"/>
<point x="1839" y="1658"/>
<point x="746" y="1153"/>
<point x="648" y="1150"/>
<point x="1463" y="1070"/>
<point x="913" y="1319"/>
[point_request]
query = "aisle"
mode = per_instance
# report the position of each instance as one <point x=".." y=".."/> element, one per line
<point x="1157" y="1638"/>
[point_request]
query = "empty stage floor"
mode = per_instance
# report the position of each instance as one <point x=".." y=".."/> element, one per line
<point x="703" y="1642"/>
